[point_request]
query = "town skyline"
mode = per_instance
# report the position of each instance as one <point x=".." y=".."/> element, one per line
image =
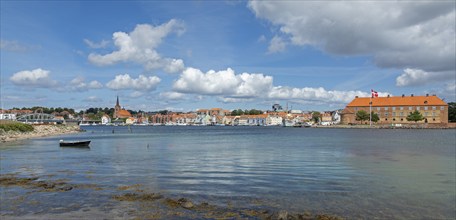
<point x="181" y="56"/>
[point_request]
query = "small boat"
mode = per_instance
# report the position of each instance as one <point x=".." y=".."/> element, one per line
<point x="74" y="143"/>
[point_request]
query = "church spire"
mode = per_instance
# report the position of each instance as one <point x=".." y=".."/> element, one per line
<point x="117" y="103"/>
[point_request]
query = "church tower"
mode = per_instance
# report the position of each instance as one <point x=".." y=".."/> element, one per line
<point x="116" y="108"/>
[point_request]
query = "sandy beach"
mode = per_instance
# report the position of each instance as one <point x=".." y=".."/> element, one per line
<point x="39" y="131"/>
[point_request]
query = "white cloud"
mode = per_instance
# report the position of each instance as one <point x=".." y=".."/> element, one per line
<point x="15" y="46"/>
<point x="261" y="39"/>
<point x="79" y="84"/>
<point x="277" y="44"/>
<point x="136" y="94"/>
<point x="230" y="87"/>
<point x="396" y="34"/>
<point x="315" y="94"/>
<point x="224" y="82"/>
<point x="37" y="78"/>
<point x="139" y="46"/>
<point x="93" y="99"/>
<point x="172" y="96"/>
<point x="417" y="77"/>
<point x="142" y="83"/>
<point x="94" y="45"/>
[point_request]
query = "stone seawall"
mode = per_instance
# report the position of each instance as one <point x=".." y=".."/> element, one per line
<point x="38" y="131"/>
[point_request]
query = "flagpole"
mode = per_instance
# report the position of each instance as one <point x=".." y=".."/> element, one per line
<point x="370" y="113"/>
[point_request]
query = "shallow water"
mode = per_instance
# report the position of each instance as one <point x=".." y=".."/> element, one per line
<point x="353" y="173"/>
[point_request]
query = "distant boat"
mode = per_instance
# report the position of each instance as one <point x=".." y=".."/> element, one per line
<point x="74" y="143"/>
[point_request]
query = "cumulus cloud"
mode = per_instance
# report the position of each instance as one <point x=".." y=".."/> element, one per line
<point x="79" y="84"/>
<point x="37" y="78"/>
<point x="418" y="35"/>
<point x="277" y="44"/>
<point x="93" y="99"/>
<point x="224" y="82"/>
<point x="172" y="95"/>
<point x="94" y="45"/>
<point x="230" y="87"/>
<point x="315" y="94"/>
<point x="139" y="46"/>
<point x="417" y="77"/>
<point x="142" y="83"/>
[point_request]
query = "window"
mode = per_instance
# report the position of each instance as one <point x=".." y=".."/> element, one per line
<point x="386" y="108"/>
<point x="386" y="119"/>
<point x="426" y="114"/>
<point x="378" y="108"/>
<point x="433" y="114"/>
<point x="386" y="114"/>
<point x="418" y="108"/>
<point x="434" y="108"/>
<point x="402" y="119"/>
<point x="394" y="108"/>
<point x="401" y="113"/>
<point x="356" y="109"/>
<point x="394" y="119"/>
<point x="401" y="108"/>
<point x="410" y="108"/>
<point x="442" y="108"/>
<point x="394" y="114"/>
<point x="425" y="108"/>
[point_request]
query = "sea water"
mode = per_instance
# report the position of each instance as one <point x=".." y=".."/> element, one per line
<point x="352" y="173"/>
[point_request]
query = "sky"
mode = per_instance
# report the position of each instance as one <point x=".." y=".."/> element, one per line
<point x="188" y="55"/>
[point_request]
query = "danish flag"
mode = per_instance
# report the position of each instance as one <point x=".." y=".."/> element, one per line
<point x="374" y="93"/>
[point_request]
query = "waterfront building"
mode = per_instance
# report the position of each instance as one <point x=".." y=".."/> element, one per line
<point x="119" y="112"/>
<point x="105" y="119"/>
<point x="130" y="120"/>
<point x="6" y="116"/>
<point x="336" y="118"/>
<point x="273" y="120"/>
<point x="394" y="110"/>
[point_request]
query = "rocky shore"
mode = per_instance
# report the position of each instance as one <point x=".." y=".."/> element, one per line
<point x="139" y="203"/>
<point x="38" y="131"/>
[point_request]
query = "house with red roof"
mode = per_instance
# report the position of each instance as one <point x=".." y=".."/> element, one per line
<point x="395" y="109"/>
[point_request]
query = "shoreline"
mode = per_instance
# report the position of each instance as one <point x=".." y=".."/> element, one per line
<point x="38" y="131"/>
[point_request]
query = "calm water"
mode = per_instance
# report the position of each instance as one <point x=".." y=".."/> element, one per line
<point x="353" y="173"/>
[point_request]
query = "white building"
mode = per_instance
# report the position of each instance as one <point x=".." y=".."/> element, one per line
<point x="336" y="117"/>
<point x="273" y="120"/>
<point x="8" y="116"/>
<point x="105" y="119"/>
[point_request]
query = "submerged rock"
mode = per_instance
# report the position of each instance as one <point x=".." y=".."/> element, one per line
<point x="137" y="197"/>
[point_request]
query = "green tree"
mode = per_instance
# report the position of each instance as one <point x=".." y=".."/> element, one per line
<point x="362" y="115"/>
<point x="452" y="112"/>
<point x="375" y="117"/>
<point x="237" y="112"/>
<point x="316" y="116"/>
<point x="415" y="116"/>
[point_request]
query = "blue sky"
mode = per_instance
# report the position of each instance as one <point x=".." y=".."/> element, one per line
<point x="185" y="55"/>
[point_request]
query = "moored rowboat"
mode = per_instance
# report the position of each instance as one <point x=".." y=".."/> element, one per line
<point x="74" y="143"/>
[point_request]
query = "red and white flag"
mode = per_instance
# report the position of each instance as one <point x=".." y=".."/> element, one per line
<point x="374" y="93"/>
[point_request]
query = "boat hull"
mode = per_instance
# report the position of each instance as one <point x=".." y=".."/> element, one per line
<point x="75" y="144"/>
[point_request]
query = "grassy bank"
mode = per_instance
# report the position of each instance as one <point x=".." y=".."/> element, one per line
<point x="7" y="126"/>
<point x="12" y="131"/>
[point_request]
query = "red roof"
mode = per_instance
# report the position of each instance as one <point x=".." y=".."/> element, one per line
<point x="397" y="101"/>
